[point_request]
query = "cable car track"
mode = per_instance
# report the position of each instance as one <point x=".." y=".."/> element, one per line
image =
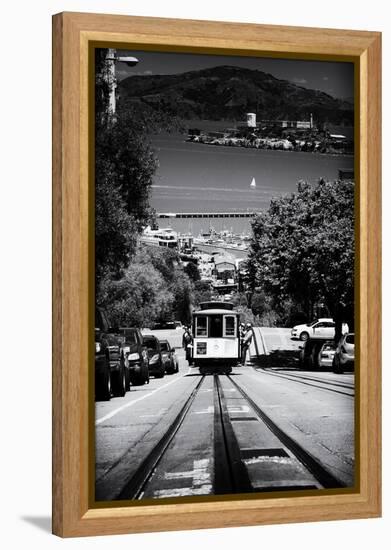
<point x="323" y="476"/>
<point x="302" y="375"/>
<point x="134" y="488"/>
<point x="231" y="474"/>
<point x="302" y="380"/>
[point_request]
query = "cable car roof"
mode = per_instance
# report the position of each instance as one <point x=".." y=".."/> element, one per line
<point x="216" y="305"/>
<point x="215" y="312"/>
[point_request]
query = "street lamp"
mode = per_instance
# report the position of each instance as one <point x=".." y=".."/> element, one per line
<point x="111" y="60"/>
<point x="130" y="61"/>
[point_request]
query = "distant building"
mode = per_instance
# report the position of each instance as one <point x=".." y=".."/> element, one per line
<point x="291" y="124"/>
<point x="251" y="120"/>
<point x="225" y="269"/>
<point x="185" y="242"/>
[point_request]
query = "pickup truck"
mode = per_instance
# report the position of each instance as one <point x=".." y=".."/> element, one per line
<point x="110" y="370"/>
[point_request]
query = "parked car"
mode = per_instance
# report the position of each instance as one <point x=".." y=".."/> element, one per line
<point x="310" y="352"/>
<point x="167" y="325"/>
<point x="110" y="373"/>
<point x="344" y="354"/>
<point x="324" y="328"/>
<point x="136" y="357"/>
<point x="169" y="357"/>
<point x="326" y="355"/>
<point x="156" y="365"/>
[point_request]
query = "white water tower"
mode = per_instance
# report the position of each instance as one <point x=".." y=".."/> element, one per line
<point x="251" y="120"/>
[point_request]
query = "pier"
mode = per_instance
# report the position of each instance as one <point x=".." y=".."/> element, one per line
<point x="206" y="215"/>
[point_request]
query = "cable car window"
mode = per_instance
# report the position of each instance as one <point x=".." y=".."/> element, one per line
<point x="202" y="326"/>
<point x="215" y="326"/>
<point x="229" y="326"/>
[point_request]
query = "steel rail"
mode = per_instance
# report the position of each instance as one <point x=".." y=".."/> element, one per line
<point x="322" y="381"/>
<point x="300" y="380"/>
<point x="323" y="476"/>
<point x="134" y="487"/>
<point x="231" y="474"/>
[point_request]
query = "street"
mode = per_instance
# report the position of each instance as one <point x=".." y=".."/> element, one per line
<point x="268" y="426"/>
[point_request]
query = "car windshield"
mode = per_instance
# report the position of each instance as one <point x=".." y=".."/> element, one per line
<point x="350" y="339"/>
<point x="311" y="323"/>
<point x="150" y="343"/>
<point x="130" y="336"/>
<point x="329" y="347"/>
<point x="164" y="346"/>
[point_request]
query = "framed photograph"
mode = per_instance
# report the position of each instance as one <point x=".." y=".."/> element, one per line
<point x="216" y="274"/>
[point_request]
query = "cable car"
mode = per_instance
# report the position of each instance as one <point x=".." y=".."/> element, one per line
<point x="216" y="341"/>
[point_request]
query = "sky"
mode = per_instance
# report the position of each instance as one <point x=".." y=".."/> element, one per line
<point x="334" y="78"/>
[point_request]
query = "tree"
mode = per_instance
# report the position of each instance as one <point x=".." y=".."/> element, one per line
<point x="138" y="299"/>
<point x="124" y="168"/>
<point x="115" y="230"/>
<point x="302" y="249"/>
<point x="153" y="288"/>
<point x="192" y="272"/>
<point x="202" y="292"/>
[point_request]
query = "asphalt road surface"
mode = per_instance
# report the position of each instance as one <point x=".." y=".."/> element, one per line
<point x="258" y="430"/>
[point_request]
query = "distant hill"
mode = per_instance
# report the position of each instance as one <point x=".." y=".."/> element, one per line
<point x="228" y="92"/>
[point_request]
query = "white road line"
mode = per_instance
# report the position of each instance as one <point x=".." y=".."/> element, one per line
<point x="269" y="460"/>
<point x="130" y="403"/>
<point x="185" y="492"/>
<point x="240" y="409"/>
<point x="199" y="475"/>
<point x="209" y="410"/>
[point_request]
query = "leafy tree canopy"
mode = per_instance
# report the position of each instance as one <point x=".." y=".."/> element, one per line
<point x="124" y="168"/>
<point x="153" y="288"/>
<point x="192" y="272"/>
<point x="303" y="248"/>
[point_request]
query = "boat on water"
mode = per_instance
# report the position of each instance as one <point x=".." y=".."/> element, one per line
<point x="166" y="237"/>
<point x="224" y="240"/>
<point x="253" y="184"/>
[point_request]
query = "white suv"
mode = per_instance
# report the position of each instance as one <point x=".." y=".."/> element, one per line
<point x="320" y="328"/>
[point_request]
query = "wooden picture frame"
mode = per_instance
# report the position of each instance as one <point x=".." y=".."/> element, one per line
<point x="73" y="514"/>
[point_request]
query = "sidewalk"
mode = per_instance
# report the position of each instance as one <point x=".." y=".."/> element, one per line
<point x="259" y="354"/>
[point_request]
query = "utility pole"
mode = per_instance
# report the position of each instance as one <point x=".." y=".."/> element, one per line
<point x="111" y="60"/>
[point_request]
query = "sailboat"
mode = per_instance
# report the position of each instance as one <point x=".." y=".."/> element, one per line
<point x="253" y="184"/>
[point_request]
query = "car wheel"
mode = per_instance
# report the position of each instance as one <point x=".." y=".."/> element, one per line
<point x="137" y="381"/>
<point x="103" y="385"/>
<point x="161" y="374"/>
<point x="304" y="336"/>
<point x="127" y="379"/>
<point x="119" y="385"/>
<point x="337" y="366"/>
